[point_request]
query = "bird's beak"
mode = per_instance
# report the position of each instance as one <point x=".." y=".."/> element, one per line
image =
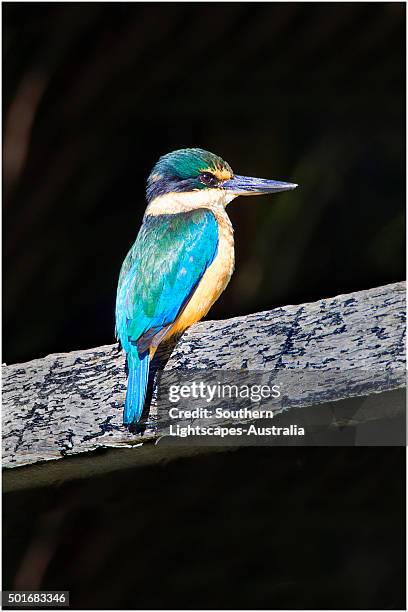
<point x="247" y="185"/>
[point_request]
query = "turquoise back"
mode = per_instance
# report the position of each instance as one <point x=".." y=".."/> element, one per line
<point x="161" y="270"/>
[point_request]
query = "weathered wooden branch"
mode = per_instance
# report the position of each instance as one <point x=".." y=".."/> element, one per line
<point x="65" y="405"/>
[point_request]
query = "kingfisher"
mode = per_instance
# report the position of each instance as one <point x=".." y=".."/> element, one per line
<point x="182" y="259"/>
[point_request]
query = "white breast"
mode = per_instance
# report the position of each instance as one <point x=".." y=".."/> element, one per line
<point x="218" y="274"/>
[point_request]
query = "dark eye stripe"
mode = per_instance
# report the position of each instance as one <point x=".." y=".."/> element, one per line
<point x="208" y="179"/>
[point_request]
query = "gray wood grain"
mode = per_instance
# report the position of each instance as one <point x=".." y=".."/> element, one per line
<point x="69" y="404"/>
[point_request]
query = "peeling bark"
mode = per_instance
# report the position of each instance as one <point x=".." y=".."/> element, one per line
<point x="69" y="404"/>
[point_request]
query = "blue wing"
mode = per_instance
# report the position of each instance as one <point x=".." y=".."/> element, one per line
<point x="160" y="272"/>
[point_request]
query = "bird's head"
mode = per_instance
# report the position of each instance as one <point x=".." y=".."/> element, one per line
<point x="195" y="178"/>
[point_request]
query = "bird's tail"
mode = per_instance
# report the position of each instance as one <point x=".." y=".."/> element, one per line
<point x="138" y="366"/>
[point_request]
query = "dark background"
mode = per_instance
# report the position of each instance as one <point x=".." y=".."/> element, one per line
<point x="95" y="93"/>
<point x="314" y="94"/>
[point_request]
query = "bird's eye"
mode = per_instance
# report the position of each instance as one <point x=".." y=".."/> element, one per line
<point x="208" y="179"/>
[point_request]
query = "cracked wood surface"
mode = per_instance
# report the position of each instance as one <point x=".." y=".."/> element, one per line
<point x="69" y="404"/>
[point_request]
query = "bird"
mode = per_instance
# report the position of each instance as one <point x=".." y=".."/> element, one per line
<point x="182" y="258"/>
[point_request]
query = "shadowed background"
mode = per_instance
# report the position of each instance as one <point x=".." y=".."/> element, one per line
<point x="313" y="94"/>
<point x="94" y="93"/>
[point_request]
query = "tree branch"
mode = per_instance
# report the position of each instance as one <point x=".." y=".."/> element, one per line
<point x="65" y="405"/>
